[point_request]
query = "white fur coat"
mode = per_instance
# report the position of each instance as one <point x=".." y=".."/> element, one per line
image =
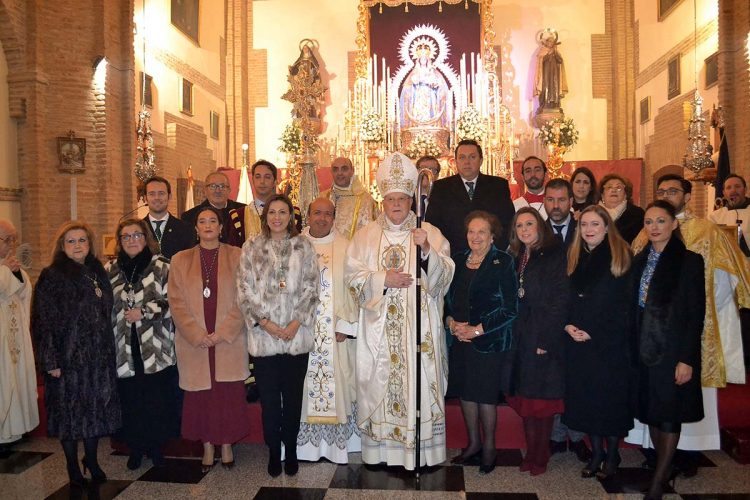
<point x="259" y="295"/>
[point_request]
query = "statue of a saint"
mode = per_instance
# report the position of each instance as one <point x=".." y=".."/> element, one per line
<point x="423" y="97"/>
<point x="550" y="83"/>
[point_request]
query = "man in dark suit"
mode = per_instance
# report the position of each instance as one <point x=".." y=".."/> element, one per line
<point x="452" y="198"/>
<point x="216" y="190"/>
<point x="558" y="199"/>
<point x="172" y="234"/>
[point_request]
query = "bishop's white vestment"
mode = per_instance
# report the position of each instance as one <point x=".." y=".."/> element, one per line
<point x="18" y="395"/>
<point x="328" y="428"/>
<point x="386" y="343"/>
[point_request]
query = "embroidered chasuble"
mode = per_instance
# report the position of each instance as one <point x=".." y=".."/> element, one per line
<point x="386" y="342"/>
<point x="727" y="277"/>
<point x="18" y="396"/>
<point x="355" y="208"/>
<point x="328" y="428"/>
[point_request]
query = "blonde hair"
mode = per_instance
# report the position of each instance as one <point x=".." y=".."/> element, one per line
<point x="59" y="245"/>
<point x="621" y="254"/>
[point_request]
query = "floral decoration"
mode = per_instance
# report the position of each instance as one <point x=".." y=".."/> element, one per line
<point x="423" y="144"/>
<point x="560" y="132"/>
<point x="371" y="129"/>
<point x="291" y="140"/>
<point x="471" y="125"/>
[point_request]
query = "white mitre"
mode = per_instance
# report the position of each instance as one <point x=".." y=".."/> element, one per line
<point x="396" y="174"/>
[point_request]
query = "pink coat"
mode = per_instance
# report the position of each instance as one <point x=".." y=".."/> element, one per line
<point x="186" y="303"/>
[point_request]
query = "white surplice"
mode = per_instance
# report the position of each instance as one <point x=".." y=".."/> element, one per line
<point x="386" y="344"/>
<point x="328" y="427"/>
<point x="18" y="397"/>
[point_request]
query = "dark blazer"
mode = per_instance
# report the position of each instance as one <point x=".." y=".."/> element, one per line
<point x="571" y="230"/>
<point x="449" y="205"/>
<point x="190" y="216"/>
<point x="630" y="222"/>
<point x="542" y="315"/>
<point x="598" y="372"/>
<point x="493" y="299"/>
<point x="669" y="331"/>
<point x="176" y="236"/>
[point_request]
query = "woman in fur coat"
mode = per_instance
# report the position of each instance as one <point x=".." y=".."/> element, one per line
<point x="668" y="281"/>
<point x="144" y="335"/>
<point x="76" y="349"/>
<point x="278" y="292"/>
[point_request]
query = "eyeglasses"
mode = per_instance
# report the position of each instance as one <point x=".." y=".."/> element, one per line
<point x="668" y="192"/>
<point x="616" y="189"/>
<point x="217" y="187"/>
<point x="134" y="237"/>
<point x="80" y="241"/>
<point x="9" y="239"/>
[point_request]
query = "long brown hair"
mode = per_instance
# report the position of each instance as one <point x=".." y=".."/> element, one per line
<point x="150" y="240"/>
<point x="621" y="254"/>
<point x="546" y="238"/>
<point x="59" y="245"/>
<point x="291" y="227"/>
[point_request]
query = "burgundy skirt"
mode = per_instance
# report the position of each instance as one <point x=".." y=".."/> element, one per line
<point x="537" y="408"/>
<point x="218" y="414"/>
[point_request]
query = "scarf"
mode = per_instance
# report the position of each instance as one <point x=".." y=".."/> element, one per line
<point x="616" y="212"/>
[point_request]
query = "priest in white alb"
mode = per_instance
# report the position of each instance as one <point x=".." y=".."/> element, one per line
<point x="328" y="428"/>
<point x="355" y="208"/>
<point x="381" y="272"/>
<point x="18" y="397"/>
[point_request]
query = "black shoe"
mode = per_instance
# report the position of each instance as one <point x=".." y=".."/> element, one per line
<point x="581" y="450"/>
<point x="157" y="458"/>
<point x="134" y="460"/>
<point x="464" y="459"/>
<point x="274" y="464"/>
<point x="75" y="477"/>
<point x="592" y="467"/>
<point x="97" y="474"/>
<point x="609" y="468"/>
<point x="557" y="447"/>
<point x="485" y="467"/>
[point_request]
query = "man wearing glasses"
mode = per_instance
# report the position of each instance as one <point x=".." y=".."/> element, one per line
<point x="721" y="352"/>
<point x="172" y="234"/>
<point x="216" y="190"/>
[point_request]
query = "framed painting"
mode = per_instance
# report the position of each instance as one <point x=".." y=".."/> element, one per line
<point x="673" y="77"/>
<point x="666" y="7"/>
<point x="186" y="96"/>
<point x="712" y="70"/>
<point x="185" y="16"/>
<point x="645" y="108"/>
<point x="147" y="95"/>
<point x="214" y="125"/>
<point x="71" y="151"/>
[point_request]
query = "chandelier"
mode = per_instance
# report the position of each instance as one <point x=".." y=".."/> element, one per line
<point x="698" y="153"/>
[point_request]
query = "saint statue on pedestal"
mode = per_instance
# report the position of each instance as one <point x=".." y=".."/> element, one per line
<point x="423" y="97"/>
<point x="550" y="84"/>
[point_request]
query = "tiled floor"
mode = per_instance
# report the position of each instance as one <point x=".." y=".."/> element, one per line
<point x="37" y="471"/>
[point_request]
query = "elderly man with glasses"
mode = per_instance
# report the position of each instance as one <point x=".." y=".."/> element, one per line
<point x="216" y="190"/>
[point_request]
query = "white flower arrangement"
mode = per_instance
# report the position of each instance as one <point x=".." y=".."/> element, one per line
<point x="291" y="140"/>
<point x="423" y="144"/>
<point x="371" y="129"/>
<point x="559" y="132"/>
<point x="471" y="125"/>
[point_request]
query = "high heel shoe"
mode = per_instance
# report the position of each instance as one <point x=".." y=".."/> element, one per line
<point x="97" y="474"/>
<point x="75" y="477"/>
<point x="592" y="467"/>
<point x="609" y="468"/>
<point x="464" y="459"/>
<point x="206" y="468"/>
<point x="227" y="464"/>
<point x="485" y="467"/>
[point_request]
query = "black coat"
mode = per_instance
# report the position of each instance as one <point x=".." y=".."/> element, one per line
<point x="630" y="223"/>
<point x="669" y="331"/>
<point x="542" y="315"/>
<point x="493" y="299"/>
<point x="571" y="230"/>
<point x="449" y="205"/>
<point x="176" y="236"/>
<point x="598" y="372"/>
<point x="189" y="217"/>
<point x="73" y="332"/>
